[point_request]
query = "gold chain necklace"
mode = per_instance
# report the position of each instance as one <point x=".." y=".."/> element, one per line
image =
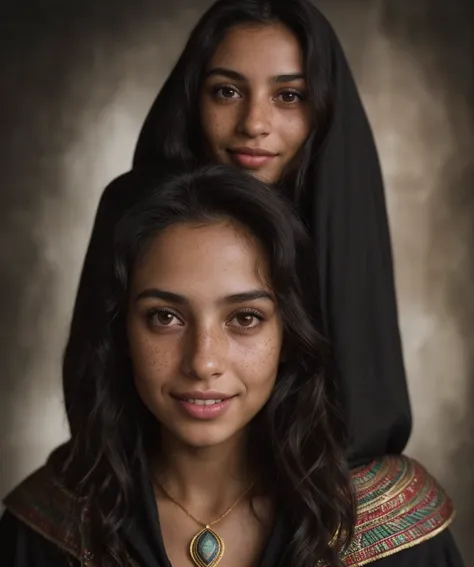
<point x="207" y="546"/>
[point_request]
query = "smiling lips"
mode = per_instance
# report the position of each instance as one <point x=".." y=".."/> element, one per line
<point x="251" y="158"/>
<point x="204" y="405"/>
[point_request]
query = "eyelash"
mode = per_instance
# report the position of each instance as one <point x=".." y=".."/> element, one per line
<point x="293" y="92"/>
<point x="153" y="312"/>
<point x="253" y="313"/>
<point x="216" y="89"/>
<point x="297" y="93"/>
<point x="246" y="311"/>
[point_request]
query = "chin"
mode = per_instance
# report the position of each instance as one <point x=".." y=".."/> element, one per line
<point x="263" y="176"/>
<point x="205" y="437"/>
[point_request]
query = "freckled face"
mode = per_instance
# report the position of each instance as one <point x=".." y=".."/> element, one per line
<point x="202" y="323"/>
<point x="253" y="103"/>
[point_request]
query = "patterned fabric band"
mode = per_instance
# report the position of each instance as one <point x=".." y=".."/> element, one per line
<point x="399" y="505"/>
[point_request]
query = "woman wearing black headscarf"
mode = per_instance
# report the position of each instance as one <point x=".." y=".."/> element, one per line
<point x="311" y="139"/>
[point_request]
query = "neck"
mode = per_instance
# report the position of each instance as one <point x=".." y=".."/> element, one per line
<point x="209" y="478"/>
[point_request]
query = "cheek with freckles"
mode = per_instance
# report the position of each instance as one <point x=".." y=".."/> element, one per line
<point x="258" y="369"/>
<point x="217" y="136"/>
<point x="153" y="369"/>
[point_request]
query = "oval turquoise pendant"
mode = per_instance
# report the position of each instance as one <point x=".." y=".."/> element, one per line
<point x="207" y="548"/>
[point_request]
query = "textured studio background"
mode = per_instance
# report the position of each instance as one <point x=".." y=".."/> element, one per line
<point x="76" y="80"/>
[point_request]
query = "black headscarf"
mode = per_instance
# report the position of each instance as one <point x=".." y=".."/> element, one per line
<point x="347" y="213"/>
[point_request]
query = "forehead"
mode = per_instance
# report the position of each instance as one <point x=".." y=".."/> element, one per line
<point x="209" y="259"/>
<point x="256" y="49"/>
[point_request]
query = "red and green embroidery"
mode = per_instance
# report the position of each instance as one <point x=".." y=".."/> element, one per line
<point x="399" y="505"/>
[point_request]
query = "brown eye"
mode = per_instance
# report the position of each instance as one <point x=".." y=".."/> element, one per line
<point x="289" y="97"/>
<point x="226" y="92"/>
<point x="246" y="320"/>
<point x="163" y="318"/>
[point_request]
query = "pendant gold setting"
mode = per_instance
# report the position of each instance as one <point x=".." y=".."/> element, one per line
<point x="206" y="548"/>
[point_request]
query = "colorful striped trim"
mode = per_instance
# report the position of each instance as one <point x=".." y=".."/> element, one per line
<point x="399" y="506"/>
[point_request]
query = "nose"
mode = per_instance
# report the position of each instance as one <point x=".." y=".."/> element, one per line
<point x="255" y="120"/>
<point x="205" y="354"/>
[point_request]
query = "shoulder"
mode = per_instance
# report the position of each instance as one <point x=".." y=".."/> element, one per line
<point x="439" y="551"/>
<point x="39" y="506"/>
<point x="399" y="505"/>
<point x="122" y="193"/>
<point x="130" y="187"/>
<point x="23" y="547"/>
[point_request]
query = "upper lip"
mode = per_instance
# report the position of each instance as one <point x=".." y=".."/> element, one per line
<point x="196" y="395"/>
<point x="252" y="151"/>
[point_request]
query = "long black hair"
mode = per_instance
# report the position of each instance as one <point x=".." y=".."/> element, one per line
<point x="299" y="435"/>
<point x="172" y="130"/>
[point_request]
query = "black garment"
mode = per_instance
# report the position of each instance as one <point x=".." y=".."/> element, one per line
<point x="357" y="281"/>
<point x="22" y="547"/>
<point x="346" y="208"/>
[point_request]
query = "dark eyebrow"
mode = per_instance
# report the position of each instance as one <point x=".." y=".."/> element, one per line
<point x="226" y="73"/>
<point x="161" y="294"/>
<point x="235" y="76"/>
<point x="288" y="78"/>
<point x="249" y="296"/>
<point x="180" y="300"/>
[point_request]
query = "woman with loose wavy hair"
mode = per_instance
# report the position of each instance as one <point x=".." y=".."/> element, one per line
<point x="209" y="295"/>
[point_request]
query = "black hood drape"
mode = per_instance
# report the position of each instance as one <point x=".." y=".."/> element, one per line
<point x="357" y="281"/>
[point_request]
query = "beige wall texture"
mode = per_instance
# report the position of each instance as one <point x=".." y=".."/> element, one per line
<point x="76" y="83"/>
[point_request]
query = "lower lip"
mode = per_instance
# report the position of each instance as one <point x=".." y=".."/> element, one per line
<point x="250" y="162"/>
<point x="205" y="412"/>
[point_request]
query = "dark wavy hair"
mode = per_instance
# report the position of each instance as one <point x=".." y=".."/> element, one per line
<point x="298" y="437"/>
<point x="172" y="130"/>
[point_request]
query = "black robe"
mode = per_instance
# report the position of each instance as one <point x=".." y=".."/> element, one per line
<point x="38" y="502"/>
<point x="23" y="547"/>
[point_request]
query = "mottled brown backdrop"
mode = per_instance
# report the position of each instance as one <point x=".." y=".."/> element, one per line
<point x="76" y="81"/>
